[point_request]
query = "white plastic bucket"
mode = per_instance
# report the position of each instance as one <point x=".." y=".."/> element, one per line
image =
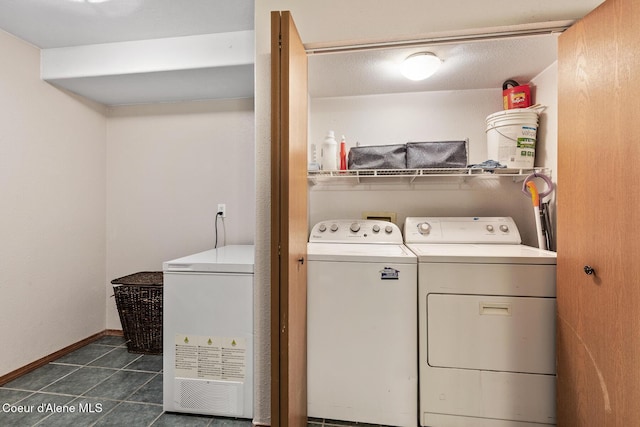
<point x="511" y="137"/>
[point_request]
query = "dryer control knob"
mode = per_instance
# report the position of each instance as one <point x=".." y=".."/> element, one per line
<point x="424" y="228"/>
<point x="334" y="227"/>
<point x="504" y="228"/>
<point x="376" y="228"/>
<point x="355" y="227"/>
<point x="322" y="228"/>
<point x="388" y="229"/>
<point x="490" y="228"/>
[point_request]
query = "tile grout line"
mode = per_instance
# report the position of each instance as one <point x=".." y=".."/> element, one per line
<point x="121" y="401"/>
<point x="28" y="395"/>
<point x="138" y="389"/>
<point x="43" y="387"/>
<point x="87" y="365"/>
<point x="105" y="414"/>
<point x="102" y="355"/>
<point x="76" y="398"/>
<point x="156" y="419"/>
<point x="115" y="371"/>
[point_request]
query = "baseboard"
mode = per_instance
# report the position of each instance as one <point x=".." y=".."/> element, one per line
<point x="53" y="356"/>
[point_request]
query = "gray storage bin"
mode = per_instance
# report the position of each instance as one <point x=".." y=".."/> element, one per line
<point x="378" y="157"/>
<point x="437" y="154"/>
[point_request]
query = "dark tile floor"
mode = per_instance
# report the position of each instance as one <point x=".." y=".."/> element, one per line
<point x="102" y="384"/>
<point x="314" y="422"/>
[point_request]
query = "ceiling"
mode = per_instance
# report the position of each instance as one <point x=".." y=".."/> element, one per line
<point x="54" y="24"/>
<point x="465" y="65"/>
<point x="50" y="24"/>
<point x="63" y="23"/>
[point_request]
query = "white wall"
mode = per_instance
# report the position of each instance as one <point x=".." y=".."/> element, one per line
<point x="52" y="192"/>
<point x="168" y="167"/>
<point x="425" y="116"/>
<point x="90" y="194"/>
<point x="545" y="90"/>
<point x="405" y="117"/>
<point x="262" y="279"/>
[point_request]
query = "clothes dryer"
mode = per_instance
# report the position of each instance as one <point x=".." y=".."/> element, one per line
<point x="486" y="310"/>
<point x="362" y="324"/>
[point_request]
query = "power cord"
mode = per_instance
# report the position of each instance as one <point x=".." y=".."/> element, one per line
<point x="218" y="215"/>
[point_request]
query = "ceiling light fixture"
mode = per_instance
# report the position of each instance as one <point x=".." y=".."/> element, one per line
<point x="420" y="66"/>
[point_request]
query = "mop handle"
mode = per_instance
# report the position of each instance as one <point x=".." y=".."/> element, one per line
<point x="542" y="176"/>
<point x="535" y="200"/>
<point x="535" y="197"/>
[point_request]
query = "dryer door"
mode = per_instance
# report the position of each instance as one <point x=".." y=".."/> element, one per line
<point x="509" y="334"/>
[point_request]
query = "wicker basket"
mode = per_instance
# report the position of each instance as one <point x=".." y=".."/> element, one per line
<point x="139" y="302"/>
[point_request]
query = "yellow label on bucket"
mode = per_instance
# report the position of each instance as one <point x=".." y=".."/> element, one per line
<point x="526" y="143"/>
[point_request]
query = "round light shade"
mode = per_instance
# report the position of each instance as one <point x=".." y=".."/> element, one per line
<point x="420" y="66"/>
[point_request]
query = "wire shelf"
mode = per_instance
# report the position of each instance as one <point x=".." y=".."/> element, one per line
<point x="413" y="175"/>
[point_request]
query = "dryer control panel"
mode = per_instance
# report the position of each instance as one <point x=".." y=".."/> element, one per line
<point x="502" y="230"/>
<point x="355" y="231"/>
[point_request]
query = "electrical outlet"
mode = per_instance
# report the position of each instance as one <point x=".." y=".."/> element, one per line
<point x="222" y="208"/>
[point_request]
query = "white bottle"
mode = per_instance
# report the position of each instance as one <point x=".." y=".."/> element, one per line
<point x="330" y="152"/>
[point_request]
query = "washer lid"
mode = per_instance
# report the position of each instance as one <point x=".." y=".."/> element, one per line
<point x="226" y="259"/>
<point x="360" y="252"/>
<point x="482" y="254"/>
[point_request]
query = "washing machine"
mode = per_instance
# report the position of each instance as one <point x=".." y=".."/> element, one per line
<point x="208" y="332"/>
<point x="362" y="322"/>
<point x="486" y="332"/>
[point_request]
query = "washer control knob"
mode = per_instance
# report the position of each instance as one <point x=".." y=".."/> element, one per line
<point x="504" y="228"/>
<point x="490" y="228"/>
<point x="388" y="229"/>
<point x="355" y="227"/>
<point x="334" y="227"/>
<point x="424" y="228"/>
<point x="376" y="228"/>
<point x="322" y="228"/>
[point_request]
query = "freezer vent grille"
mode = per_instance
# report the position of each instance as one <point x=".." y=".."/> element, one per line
<point x="211" y="397"/>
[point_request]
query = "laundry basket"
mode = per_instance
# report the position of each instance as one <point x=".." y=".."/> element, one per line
<point x="139" y="301"/>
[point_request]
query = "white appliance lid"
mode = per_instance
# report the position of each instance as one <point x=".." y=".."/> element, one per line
<point x="481" y="253"/>
<point x="226" y="259"/>
<point x="359" y="252"/>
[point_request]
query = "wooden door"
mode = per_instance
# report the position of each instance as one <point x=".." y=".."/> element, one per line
<point x="599" y="219"/>
<point x="289" y="221"/>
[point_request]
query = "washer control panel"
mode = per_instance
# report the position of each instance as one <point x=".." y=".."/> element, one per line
<point x="501" y="230"/>
<point x="355" y="231"/>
